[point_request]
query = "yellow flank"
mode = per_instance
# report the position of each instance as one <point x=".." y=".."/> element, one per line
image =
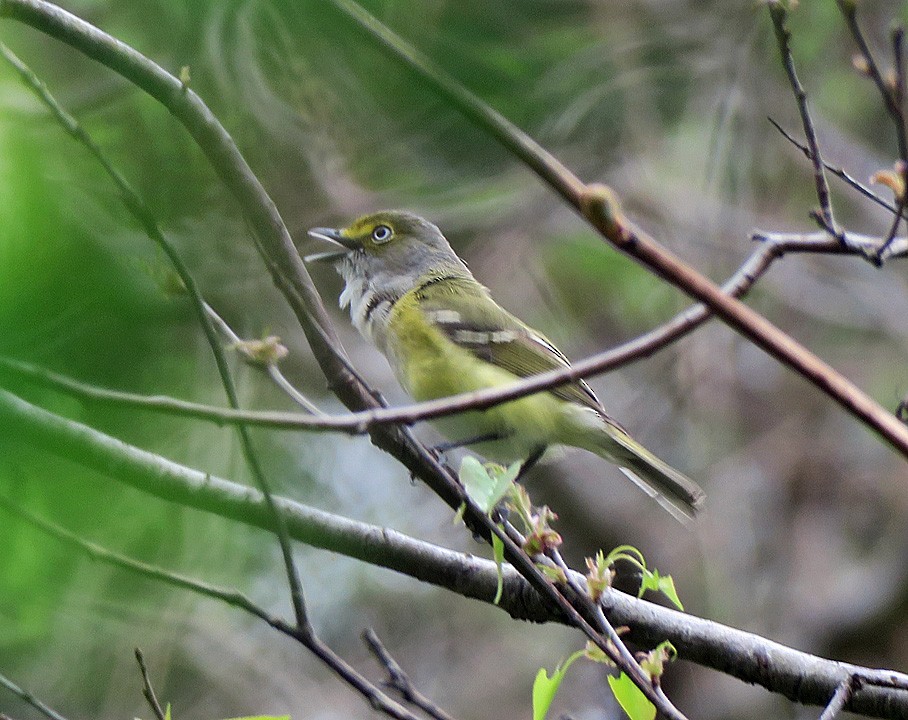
<point x="430" y="366"/>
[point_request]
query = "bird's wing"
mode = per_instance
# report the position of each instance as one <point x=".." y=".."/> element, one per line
<point x="466" y="314"/>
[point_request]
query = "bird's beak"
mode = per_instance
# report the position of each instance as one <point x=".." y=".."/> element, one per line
<point x="342" y="245"/>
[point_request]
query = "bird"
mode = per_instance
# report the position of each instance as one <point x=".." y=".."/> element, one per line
<point x="443" y="334"/>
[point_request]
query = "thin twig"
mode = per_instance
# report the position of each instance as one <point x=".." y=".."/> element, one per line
<point x="27" y="697"/>
<point x="898" y="97"/>
<point x="849" y="11"/>
<point x="772" y="247"/>
<point x="400" y="681"/>
<point x="137" y="207"/>
<point x="893" y="95"/>
<point x="271" y="368"/>
<point x="779" y="15"/>
<point x="147" y="688"/>
<point x="378" y="699"/>
<point x="837" y="171"/>
<point x="748" y="657"/>
<point x="599" y="207"/>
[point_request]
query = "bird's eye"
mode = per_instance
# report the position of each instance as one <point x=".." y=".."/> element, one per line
<point x="382" y="233"/>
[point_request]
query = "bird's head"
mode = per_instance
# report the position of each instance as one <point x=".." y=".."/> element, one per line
<point x="393" y="247"/>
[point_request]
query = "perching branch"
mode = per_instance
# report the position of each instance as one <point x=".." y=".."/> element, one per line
<point x="751" y="658"/>
<point x="772" y="247"/>
<point x="599" y="207"/>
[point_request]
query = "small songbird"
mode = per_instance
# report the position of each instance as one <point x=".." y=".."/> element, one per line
<point x="411" y="295"/>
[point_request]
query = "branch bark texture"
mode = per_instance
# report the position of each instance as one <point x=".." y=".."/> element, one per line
<point x="797" y="675"/>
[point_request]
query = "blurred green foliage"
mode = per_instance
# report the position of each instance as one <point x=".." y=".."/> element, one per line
<point x="666" y="101"/>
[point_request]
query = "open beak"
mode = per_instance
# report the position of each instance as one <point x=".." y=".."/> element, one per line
<point x="342" y="245"/>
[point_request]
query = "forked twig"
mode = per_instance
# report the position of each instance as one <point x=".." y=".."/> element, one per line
<point x="400" y="681"/>
<point x="231" y="597"/>
<point x="147" y="688"/>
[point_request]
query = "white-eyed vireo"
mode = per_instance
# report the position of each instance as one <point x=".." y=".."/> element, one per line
<point x="443" y="334"/>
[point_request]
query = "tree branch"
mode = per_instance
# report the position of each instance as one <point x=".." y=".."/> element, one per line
<point x="599" y="207"/>
<point x="27" y="697"/>
<point x="143" y="214"/>
<point x="773" y="246"/>
<point x="797" y="675"/>
<point x="400" y="681"/>
<point x="147" y="688"/>
<point x="779" y="14"/>
<point x="302" y="634"/>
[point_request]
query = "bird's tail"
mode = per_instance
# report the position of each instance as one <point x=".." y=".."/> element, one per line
<point x="676" y="492"/>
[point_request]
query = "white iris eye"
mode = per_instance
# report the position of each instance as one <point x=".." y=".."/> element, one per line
<point x="382" y="233"/>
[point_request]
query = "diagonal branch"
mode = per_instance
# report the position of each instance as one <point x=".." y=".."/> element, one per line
<point x="779" y="14"/>
<point x="27" y="697"/>
<point x="147" y="688"/>
<point x="837" y="171"/>
<point x="143" y="214"/>
<point x="599" y="207"/>
<point x="800" y="676"/>
<point x="400" y="681"/>
<point x="233" y="598"/>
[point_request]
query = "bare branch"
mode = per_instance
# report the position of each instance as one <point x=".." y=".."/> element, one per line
<point x="27" y="697"/>
<point x="143" y="214"/>
<point x="837" y="171"/>
<point x="270" y="367"/>
<point x="147" y="689"/>
<point x="839" y="699"/>
<point x="892" y="91"/>
<point x="892" y="94"/>
<point x="379" y="700"/>
<point x="400" y="681"/>
<point x="779" y="15"/>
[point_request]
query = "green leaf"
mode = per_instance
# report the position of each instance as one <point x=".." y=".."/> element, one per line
<point x="545" y="687"/>
<point x="653" y="662"/>
<point x="631" y="698"/>
<point x="486" y="484"/>
<point x="498" y="553"/>
<point x="664" y="584"/>
<point x="167" y="712"/>
<point x="628" y="553"/>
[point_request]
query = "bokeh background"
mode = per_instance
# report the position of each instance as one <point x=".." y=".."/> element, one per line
<point x="805" y="537"/>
